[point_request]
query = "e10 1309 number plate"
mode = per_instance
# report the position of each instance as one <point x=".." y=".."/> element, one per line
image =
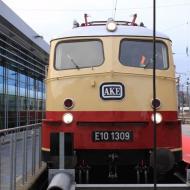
<point x="112" y="136"/>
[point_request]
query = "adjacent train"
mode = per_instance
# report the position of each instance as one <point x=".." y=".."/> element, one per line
<point x="99" y="108"/>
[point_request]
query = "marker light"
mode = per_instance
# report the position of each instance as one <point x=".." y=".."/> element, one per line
<point x="158" y="117"/>
<point x="68" y="103"/>
<point x="156" y="103"/>
<point x="67" y="118"/>
<point x="111" y="25"/>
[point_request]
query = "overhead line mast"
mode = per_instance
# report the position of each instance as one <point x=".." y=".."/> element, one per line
<point x="154" y="96"/>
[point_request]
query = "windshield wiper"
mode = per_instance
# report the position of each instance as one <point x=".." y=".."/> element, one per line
<point x="150" y="62"/>
<point x="73" y="61"/>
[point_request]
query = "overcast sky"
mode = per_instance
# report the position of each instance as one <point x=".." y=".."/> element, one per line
<point x="50" y="18"/>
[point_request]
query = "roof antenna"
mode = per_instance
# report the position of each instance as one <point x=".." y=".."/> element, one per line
<point x="187" y="46"/>
<point x="134" y="19"/>
<point x="85" y="19"/>
<point x="115" y="9"/>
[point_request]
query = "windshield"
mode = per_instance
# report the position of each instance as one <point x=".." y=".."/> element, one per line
<point x="140" y="54"/>
<point x="78" y="54"/>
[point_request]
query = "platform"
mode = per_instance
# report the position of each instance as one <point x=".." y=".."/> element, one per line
<point x="32" y="180"/>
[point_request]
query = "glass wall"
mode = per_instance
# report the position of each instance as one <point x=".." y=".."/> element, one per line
<point x="22" y="91"/>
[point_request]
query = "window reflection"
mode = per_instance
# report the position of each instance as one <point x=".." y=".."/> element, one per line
<point x="19" y="66"/>
<point x="22" y="78"/>
<point x="11" y="87"/>
<point x="135" y="53"/>
<point x="12" y="74"/>
<point x="21" y="98"/>
<point x="1" y="84"/>
<point x="1" y="70"/>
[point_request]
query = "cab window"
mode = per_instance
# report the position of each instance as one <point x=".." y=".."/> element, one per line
<point x="140" y="54"/>
<point x="78" y="54"/>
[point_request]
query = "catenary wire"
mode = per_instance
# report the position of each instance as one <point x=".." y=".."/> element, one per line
<point x="99" y="10"/>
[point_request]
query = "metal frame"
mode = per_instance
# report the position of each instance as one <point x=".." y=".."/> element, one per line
<point x="17" y="56"/>
<point x="18" y="50"/>
<point x="21" y="43"/>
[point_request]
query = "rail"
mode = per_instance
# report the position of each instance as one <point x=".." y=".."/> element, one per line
<point x="20" y="154"/>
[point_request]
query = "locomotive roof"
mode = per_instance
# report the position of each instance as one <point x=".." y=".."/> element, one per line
<point x="121" y="31"/>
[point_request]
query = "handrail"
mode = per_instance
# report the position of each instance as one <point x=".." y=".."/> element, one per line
<point x="15" y="129"/>
<point x="23" y="146"/>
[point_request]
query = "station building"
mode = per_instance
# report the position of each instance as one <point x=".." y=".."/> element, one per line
<point x="23" y="59"/>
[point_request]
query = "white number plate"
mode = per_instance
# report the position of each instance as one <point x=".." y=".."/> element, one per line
<point x="112" y="136"/>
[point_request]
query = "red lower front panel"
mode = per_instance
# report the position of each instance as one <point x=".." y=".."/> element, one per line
<point x="115" y="123"/>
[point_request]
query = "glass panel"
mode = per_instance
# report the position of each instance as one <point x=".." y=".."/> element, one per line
<point x="1" y="70"/>
<point x="11" y="86"/>
<point x="1" y="111"/>
<point x="31" y="87"/>
<point x="31" y="83"/>
<point x="22" y="88"/>
<point x="40" y="88"/>
<point x="22" y="78"/>
<point x="32" y="117"/>
<point x="11" y="74"/>
<point x="32" y="104"/>
<point x="1" y="84"/>
<point x="79" y="54"/>
<point x="140" y="54"/>
<point x="23" y="118"/>
<point x="23" y="103"/>
<point x="40" y="104"/>
<point x="1" y="120"/>
<point x="12" y="103"/>
<point x="1" y="102"/>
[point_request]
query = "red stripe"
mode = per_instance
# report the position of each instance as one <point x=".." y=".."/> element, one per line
<point x="111" y="115"/>
<point x="169" y="132"/>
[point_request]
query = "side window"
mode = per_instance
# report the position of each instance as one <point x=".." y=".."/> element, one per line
<point x="140" y="54"/>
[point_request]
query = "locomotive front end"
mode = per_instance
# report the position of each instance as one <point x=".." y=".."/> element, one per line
<point x="100" y="107"/>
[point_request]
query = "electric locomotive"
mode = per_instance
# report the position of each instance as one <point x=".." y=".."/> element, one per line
<point x="99" y="108"/>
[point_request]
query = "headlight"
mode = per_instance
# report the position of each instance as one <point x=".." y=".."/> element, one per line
<point x="111" y="25"/>
<point x="67" y="118"/>
<point x="158" y="117"/>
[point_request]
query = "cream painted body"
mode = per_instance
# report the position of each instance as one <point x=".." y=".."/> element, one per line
<point x="83" y="85"/>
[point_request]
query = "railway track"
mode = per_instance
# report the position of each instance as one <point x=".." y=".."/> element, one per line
<point x="64" y="180"/>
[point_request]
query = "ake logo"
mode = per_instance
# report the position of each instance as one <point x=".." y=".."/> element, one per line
<point x="112" y="91"/>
